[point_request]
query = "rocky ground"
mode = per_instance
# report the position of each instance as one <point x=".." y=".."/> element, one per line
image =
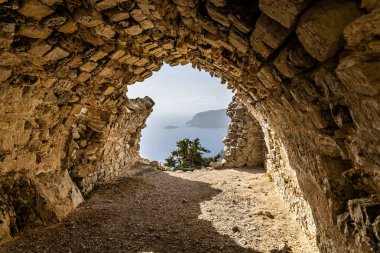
<point x="250" y="211"/>
<point x="154" y="211"/>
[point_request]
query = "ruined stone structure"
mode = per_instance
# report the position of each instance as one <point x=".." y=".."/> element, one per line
<point x="307" y="70"/>
<point x="244" y="143"/>
<point x="248" y="144"/>
<point x="285" y="178"/>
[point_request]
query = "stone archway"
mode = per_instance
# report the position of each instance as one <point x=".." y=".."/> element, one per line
<point x="307" y="69"/>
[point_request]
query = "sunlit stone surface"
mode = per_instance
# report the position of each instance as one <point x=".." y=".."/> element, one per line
<point x="313" y="87"/>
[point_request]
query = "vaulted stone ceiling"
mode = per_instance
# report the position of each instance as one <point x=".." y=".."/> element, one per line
<point x="308" y="69"/>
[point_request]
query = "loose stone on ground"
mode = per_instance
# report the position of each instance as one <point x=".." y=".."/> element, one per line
<point x="250" y="210"/>
<point x="154" y="211"/>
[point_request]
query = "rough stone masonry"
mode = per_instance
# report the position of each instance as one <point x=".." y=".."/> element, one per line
<point x="307" y="70"/>
<point x="248" y="144"/>
<point x="244" y="143"/>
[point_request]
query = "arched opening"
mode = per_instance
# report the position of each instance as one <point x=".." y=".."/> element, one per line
<point x="307" y="69"/>
<point x="188" y="104"/>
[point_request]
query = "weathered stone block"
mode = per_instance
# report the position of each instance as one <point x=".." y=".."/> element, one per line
<point x="259" y="46"/>
<point x="139" y="70"/>
<point x="226" y="45"/>
<point x="69" y="27"/>
<point x="208" y="25"/>
<point x="105" y="30"/>
<point x="109" y="91"/>
<point x="8" y="59"/>
<point x="320" y="29"/>
<point x="213" y="40"/>
<point x="118" y="54"/>
<point x="56" y="54"/>
<point x="51" y="202"/>
<point x="360" y="76"/>
<point x="158" y="52"/>
<point x="63" y="195"/>
<point x="239" y="24"/>
<point x="87" y="17"/>
<point x="75" y="62"/>
<point x="270" y="33"/>
<point x="189" y="3"/>
<point x="88" y="66"/>
<point x="83" y="77"/>
<point x="168" y="45"/>
<point x="149" y="46"/>
<point x="192" y="24"/>
<point x="54" y="21"/>
<point x="218" y="15"/>
<point x="134" y="30"/>
<point x="5" y="74"/>
<point x="35" y="9"/>
<point x="238" y="41"/>
<point x="327" y="81"/>
<point x="146" y="74"/>
<point x="34" y="31"/>
<point x="117" y="15"/>
<point x="7" y="32"/>
<point x="293" y="59"/>
<point x="268" y="76"/>
<point x="138" y="15"/>
<point x="305" y="93"/>
<point x="107" y="4"/>
<point x="284" y="12"/>
<point x="146" y="24"/>
<point x="129" y="59"/>
<point x="39" y="49"/>
<point x="98" y="55"/>
<point x="106" y="72"/>
<point x="142" y="62"/>
<point x="364" y="30"/>
<point x="8" y="28"/>
<point x="187" y="12"/>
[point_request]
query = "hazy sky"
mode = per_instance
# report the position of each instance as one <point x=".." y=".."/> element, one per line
<point x="182" y="90"/>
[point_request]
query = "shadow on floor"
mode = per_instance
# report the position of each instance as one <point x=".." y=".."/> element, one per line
<point x="149" y="211"/>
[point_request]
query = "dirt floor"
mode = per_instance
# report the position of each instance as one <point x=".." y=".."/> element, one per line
<point x="250" y="211"/>
<point x="153" y="211"/>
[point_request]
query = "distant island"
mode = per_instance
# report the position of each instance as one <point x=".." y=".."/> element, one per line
<point x="210" y="119"/>
<point x="171" y="127"/>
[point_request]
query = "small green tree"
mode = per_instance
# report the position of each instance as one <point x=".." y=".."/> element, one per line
<point x="189" y="155"/>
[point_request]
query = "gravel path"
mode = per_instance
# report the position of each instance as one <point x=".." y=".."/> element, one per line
<point x="154" y="211"/>
<point x="250" y="211"/>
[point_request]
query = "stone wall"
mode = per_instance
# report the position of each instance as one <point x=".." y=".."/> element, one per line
<point x="309" y="69"/>
<point x="285" y="178"/>
<point x="100" y="151"/>
<point x="250" y="142"/>
<point x="244" y="143"/>
<point x="53" y="151"/>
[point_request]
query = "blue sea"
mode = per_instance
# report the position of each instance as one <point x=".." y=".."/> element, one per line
<point x="158" y="142"/>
